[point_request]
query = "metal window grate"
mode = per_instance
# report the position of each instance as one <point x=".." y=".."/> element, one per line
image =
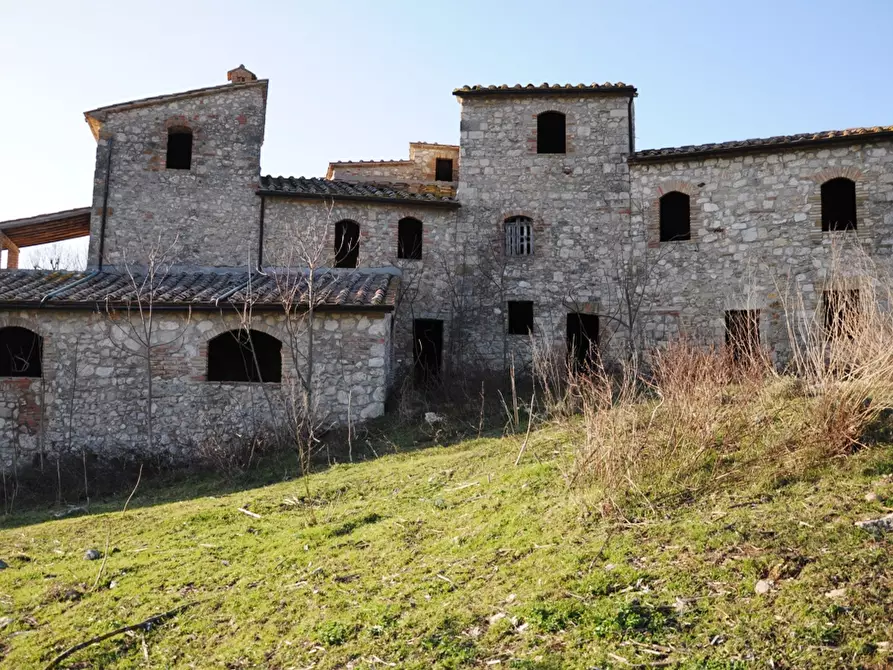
<point x="518" y="236"/>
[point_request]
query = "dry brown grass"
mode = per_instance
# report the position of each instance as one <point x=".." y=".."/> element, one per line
<point x="702" y="418"/>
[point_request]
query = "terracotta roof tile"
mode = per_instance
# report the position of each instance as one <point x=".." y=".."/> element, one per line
<point x="545" y="89"/>
<point x="851" y="135"/>
<point x="337" y="289"/>
<point x="317" y="188"/>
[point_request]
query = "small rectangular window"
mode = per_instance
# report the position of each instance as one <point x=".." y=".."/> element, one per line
<point x="443" y="169"/>
<point x="743" y="333"/>
<point x="841" y="310"/>
<point x="520" y="317"/>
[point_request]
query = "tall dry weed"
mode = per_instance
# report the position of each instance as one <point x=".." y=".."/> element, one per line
<point x="842" y="349"/>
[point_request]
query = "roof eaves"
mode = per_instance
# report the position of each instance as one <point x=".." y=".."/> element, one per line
<point x="671" y="154"/>
<point x="100" y="306"/>
<point x="445" y="203"/>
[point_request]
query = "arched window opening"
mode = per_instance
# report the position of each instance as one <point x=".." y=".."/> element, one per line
<point x="550" y="133"/>
<point x="518" y="236"/>
<point x="409" y="238"/>
<point x="21" y="353"/>
<point x="244" y="356"/>
<point x="347" y="244"/>
<point x="179" y="149"/>
<point x="839" y="204"/>
<point x="675" y="217"/>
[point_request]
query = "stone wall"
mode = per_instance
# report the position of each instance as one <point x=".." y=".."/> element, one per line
<point x="757" y="236"/>
<point x="420" y="168"/>
<point x="95" y="371"/>
<point x="427" y="286"/>
<point x="209" y="213"/>
<point x="578" y="202"/>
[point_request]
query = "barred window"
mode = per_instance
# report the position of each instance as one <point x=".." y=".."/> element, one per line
<point x="518" y="236"/>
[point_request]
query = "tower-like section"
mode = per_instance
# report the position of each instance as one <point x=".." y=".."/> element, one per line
<point x="545" y="194"/>
<point x="178" y="174"/>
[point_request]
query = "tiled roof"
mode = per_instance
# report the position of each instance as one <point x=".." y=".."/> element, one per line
<point x="316" y="188"/>
<point x="101" y="111"/>
<point x="545" y="89"/>
<point x="394" y="161"/>
<point x="851" y="135"/>
<point x="336" y="289"/>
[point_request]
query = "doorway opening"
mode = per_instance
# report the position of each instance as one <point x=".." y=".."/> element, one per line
<point x="582" y="340"/>
<point x="427" y="348"/>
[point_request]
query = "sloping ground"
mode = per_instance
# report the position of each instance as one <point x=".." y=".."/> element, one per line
<point x="454" y="557"/>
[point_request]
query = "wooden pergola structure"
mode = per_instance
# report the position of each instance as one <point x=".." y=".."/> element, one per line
<point x="42" y="229"/>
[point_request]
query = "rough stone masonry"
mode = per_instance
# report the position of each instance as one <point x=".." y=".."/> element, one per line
<point x="535" y="229"/>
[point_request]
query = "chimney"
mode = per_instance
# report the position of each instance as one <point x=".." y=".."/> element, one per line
<point x="240" y="75"/>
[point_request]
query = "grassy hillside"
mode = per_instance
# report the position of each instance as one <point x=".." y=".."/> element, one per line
<point x="452" y="557"/>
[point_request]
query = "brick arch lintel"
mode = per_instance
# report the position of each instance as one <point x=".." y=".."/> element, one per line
<point x="259" y="326"/>
<point x="20" y="322"/>
<point x="670" y="185"/>
<point x="847" y="172"/>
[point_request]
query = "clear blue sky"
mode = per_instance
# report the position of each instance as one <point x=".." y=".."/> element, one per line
<point x="353" y="79"/>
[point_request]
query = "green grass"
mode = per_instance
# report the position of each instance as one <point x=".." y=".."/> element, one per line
<point x="452" y="557"/>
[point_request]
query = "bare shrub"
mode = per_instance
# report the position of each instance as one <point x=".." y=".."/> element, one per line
<point x="708" y="416"/>
<point x="842" y="349"/>
<point x="232" y="453"/>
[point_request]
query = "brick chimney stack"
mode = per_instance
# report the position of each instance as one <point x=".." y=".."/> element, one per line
<point x="240" y="75"/>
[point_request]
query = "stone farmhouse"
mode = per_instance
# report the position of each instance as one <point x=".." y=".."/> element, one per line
<point x="545" y="220"/>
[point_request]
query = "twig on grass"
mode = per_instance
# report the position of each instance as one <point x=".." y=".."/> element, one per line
<point x="144" y="625"/>
<point x="529" y="424"/>
<point x="253" y="515"/>
<point x="108" y="536"/>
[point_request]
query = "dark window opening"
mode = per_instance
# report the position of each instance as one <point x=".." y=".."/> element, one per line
<point x="409" y="238"/>
<point x="179" y="149"/>
<point x="550" y="133"/>
<point x="427" y="348"/>
<point x="347" y="244"/>
<point x="244" y="356"/>
<point x="841" y="311"/>
<point x="743" y="334"/>
<point x="582" y="340"/>
<point x="839" y="204"/>
<point x="675" y="217"/>
<point x="518" y="236"/>
<point x="520" y="317"/>
<point x="443" y="169"/>
<point x="21" y="353"/>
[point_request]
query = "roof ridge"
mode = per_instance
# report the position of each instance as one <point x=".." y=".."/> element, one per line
<point x="171" y="96"/>
<point x="544" y="88"/>
<point x="760" y="143"/>
<point x="344" y="189"/>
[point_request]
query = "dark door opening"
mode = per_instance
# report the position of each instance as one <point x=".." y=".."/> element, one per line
<point x="427" y="348"/>
<point x="582" y="340"/>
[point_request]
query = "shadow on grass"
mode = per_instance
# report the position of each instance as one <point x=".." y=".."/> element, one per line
<point x="109" y="483"/>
